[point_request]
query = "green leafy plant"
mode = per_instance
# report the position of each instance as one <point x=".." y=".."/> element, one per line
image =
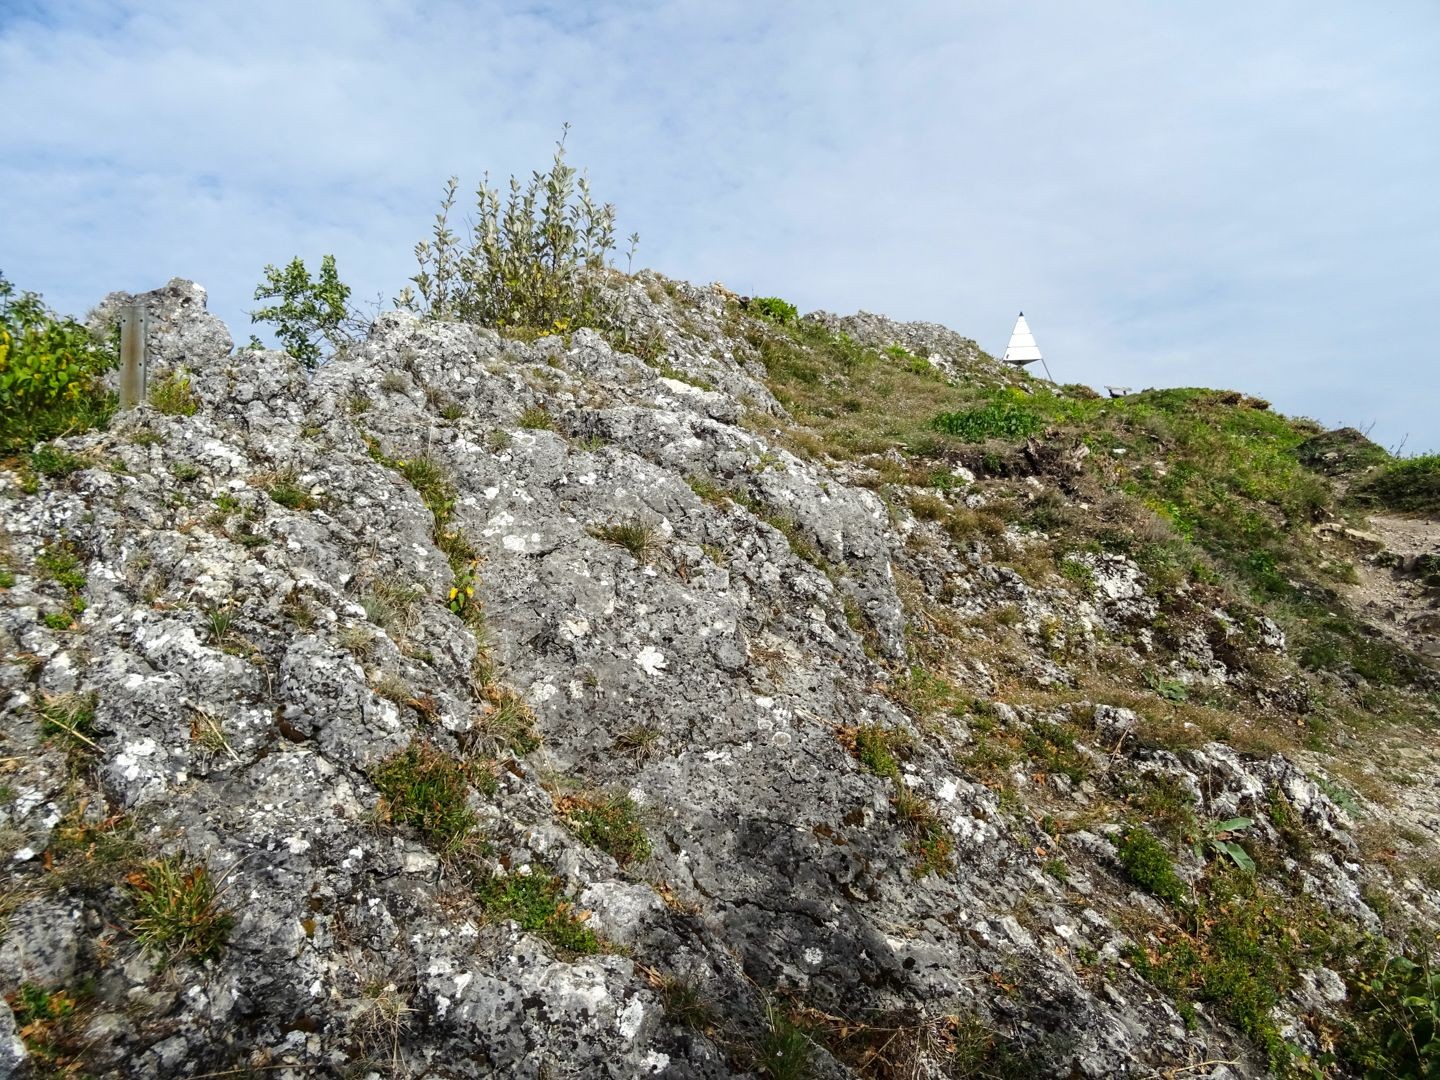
<point x="310" y="312"/>
<point x="1396" y="1032"/>
<point x="50" y="369"/>
<point x="774" y="309"/>
<point x="1214" y="837"/>
<point x="178" y="909"/>
<point x="1149" y="865"/>
<point x="531" y="259"/>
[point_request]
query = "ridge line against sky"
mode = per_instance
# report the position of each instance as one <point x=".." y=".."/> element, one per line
<point x="1175" y="194"/>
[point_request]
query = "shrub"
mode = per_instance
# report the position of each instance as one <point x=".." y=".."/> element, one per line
<point x="1397" y="1028"/>
<point x="773" y="308"/>
<point x="50" y="370"/>
<point x="530" y="260"/>
<point x="310" y="311"/>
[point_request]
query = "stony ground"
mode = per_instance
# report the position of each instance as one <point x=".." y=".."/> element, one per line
<point x="873" y="812"/>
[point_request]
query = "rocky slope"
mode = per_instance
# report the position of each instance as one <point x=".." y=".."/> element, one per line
<point x="746" y="757"/>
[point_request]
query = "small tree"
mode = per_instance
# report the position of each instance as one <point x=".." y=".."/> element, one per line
<point x="310" y="311"/>
<point x="530" y="259"/>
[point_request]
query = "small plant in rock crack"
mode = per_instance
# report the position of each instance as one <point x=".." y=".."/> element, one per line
<point x="1214" y="837"/>
<point x="178" y="909"/>
<point x="462" y="594"/>
<point x="634" y="536"/>
<point x="219" y="625"/>
<point x="610" y="822"/>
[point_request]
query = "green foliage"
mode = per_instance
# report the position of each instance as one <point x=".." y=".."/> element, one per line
<point x="425" y="788"/>
<point x="1396" y="1031"/>
<point x="1004" y="418"/>
<point x="1214" y="837"/>
<point x="610" y="822"/>
<point x="1410" y="484"/>
<point x="173" y="395"/>
<point x="784" y="1050"/>
<point x="1148" y="864"/>
<point x="50" y="369"/>
<point x="178" y="912"/>
<point x="49" y="1022"/>
<point x="536" y="901"/>
<point x="773" y="308"/>
<point x="53" y="462"/>
<point x="531" y="261"/>
<point x="292" y="497"/>
<point x="310" y="311"/>
<point x="872" y="748"/>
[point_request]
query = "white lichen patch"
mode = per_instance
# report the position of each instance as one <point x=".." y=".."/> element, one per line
<point x="650" y="660"/>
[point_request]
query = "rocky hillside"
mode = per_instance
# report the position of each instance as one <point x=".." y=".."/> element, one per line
<point x="727" y="695"/>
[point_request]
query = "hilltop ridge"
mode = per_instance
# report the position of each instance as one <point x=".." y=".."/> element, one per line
<point x="726" y="693"/>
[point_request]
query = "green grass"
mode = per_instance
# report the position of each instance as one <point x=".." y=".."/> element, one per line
<point x="60" y="563"/>
<point x="537" y="902"/>
<point x="873" y="749"/>
<point x="634" y="536"/>
<point x="537" y="418"/>
<point x="173" y="396"/>
<point x="290" y="496"/>
<point x="610" y="822"/>
<point x="53" y="462"/>
<point x="1411" y="485"/>
<point x="426" y="789"/>
<point x="178" y="912"/>
<point x="784" y="1052"/>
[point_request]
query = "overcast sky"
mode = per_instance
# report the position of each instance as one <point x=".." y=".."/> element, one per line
<point x="1239" y="195"/>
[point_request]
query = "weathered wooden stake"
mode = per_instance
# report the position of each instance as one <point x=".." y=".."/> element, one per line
<point x="132" y="355"/>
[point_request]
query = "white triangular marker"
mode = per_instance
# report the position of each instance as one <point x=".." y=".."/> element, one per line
<point x="1022" y="349"/>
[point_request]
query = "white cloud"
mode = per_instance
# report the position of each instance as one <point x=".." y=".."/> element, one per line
<point x="1232" y="196"/>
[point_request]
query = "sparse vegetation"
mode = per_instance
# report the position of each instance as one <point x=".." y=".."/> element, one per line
<point x="173" y="395"/>
<point x="427" y="790"/>
<point x="178" y="910"/>
<point x="608" y="821"/>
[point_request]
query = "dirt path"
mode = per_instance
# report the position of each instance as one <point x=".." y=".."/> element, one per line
<point x="1392" y="592"/>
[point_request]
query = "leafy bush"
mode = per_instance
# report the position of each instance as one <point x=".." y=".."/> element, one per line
<point x="310" y="311"/>
<point x="1397" y="1030"/>
<point x="50" y="370"/>
<point x="773" y="308"/>
<point x="1001" y="419"/>
<point x="530" y="261"/>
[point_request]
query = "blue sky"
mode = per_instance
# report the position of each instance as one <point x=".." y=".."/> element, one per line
<point x="1236" y="195"/>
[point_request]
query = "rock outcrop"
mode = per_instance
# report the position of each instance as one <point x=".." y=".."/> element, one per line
<point x="260" y="611"/>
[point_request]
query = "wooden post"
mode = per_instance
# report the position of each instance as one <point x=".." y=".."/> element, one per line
<point x="132" y="354"/>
